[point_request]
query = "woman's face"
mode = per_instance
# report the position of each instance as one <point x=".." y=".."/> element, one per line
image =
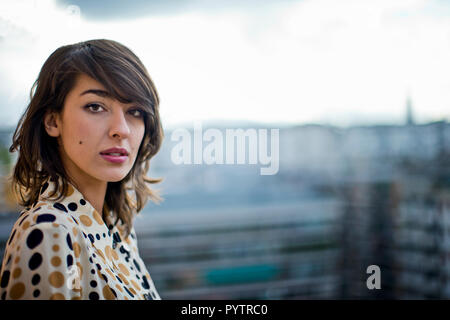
<point x="91" y="123"/>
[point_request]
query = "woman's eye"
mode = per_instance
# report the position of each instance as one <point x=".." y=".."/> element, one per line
<point x="137" y="113"/>
<point x="94" y="107"/>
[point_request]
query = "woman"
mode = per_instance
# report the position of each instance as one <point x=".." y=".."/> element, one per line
<point x="84" y="143"/>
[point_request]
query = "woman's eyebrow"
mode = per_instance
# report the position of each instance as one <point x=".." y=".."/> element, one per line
<point x="101" y="93"/>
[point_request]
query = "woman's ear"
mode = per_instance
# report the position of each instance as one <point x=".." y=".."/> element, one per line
<point x="51" y="123"/>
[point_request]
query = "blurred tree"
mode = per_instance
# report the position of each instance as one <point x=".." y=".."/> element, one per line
<point x="8" y="199"/>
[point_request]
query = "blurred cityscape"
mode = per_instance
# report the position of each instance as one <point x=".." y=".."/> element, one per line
<point x="343" y="199"/>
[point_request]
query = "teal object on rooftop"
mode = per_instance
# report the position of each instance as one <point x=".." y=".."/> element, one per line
<point x="242" y="274"/>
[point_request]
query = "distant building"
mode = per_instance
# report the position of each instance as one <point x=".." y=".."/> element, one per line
<point x="409" y="111"/>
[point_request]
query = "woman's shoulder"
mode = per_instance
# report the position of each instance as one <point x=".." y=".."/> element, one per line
<point x="45" y="216"/>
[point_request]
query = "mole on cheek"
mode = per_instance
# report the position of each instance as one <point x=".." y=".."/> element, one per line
<point x="81" y="142"/>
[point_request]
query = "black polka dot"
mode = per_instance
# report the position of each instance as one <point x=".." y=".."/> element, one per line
<point x="119" y="279"/>
<point x="145" y="284"/>
<point x="35" y="261"/>
<point x="128" y="291"/>
<point x="84" y="235"/>
<point x="104" y="235"/>
<point x="74" y="220"/>
<point x="116" y="237"/>
<point x="36" y="293"/>
<point x="97" y="236"/>
<point x="60" y="206"/>
<point x="137" y="276"/>
<point x="92" y="270"/>
<point x="93" y="283"/>
<point x="69" y="241"/>
<point x="91" y="237"/>
<point x="114" y="292"/>
<point x="5" y="279"/>
<point x="93" y="296"/>
<point x="37" y="209"/>
<point x="12" y="236"/>
<point x="44" y="187"/>
<point x="137" y="265"/>
<point x="34" y="238"/>
<point x="105" y="278"/>
<point x="23" y="219"/>
<point x="82" y="202"/>
<point x="153" y="294"/>
<point x="99" y="267"/>
<point x="35" y="280"/>
<point x="69" y="260"/>
<point x="45" y="218"/>
<point x="72" y="206"/>
<point x="90" y="260"/>
<point x="9" y="259"/>
<point x="94" y="255"/>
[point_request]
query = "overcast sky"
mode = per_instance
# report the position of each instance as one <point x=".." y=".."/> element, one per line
<point x="322" y="61"/>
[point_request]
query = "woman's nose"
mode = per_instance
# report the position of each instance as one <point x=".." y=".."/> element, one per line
<point x="118" y="125"/>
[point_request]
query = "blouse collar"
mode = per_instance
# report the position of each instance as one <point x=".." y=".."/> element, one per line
<point x="73" y="202"/>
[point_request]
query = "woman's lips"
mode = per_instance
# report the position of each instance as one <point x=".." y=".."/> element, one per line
<point x="114" y="159"/>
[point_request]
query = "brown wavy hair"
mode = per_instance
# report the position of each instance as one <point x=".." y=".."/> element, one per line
<point x="124" y="76"/>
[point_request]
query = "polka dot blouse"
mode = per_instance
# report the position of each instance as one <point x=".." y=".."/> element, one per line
<point x="64" y="250"/>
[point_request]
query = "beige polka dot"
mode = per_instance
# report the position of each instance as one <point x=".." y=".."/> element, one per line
<point x="55" y="235"/>
<point x="108" y="252"/>
<point x="17" y="260"/>
<point x="56" y="279"/>
<point x="55" y="248"/>
<point x="98" y="218"/>
<point x="76" y="249"/>
<point x="57" y="296"/>
<point x="17" y="291"/>
<point x="16" y="273"/>
<point x="107" y="293"/>
<point x="25" y="225"/>
<point x="132" y="290"/>
<point x="18" y="248"/>
<point x="114" y="255"/>
<point x="69" y="191"/>
<point x="75" y="231"/>
<point x="35" y="217"/>
<point x="110" y="273"/>
<point x="70" y="220"/>
<point x="119" y="288"/>
<point x="124" y="269"/>
<point x="76" y="298"/>
<point x="86" y="220"/>
<point x="126" y="298"/>
<point x="56" y="261"/>
<point x="124" y="279"/>
<point x="101" y="255"/>
<point x="55" y="224"/>
<point x="134" y="284"/>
